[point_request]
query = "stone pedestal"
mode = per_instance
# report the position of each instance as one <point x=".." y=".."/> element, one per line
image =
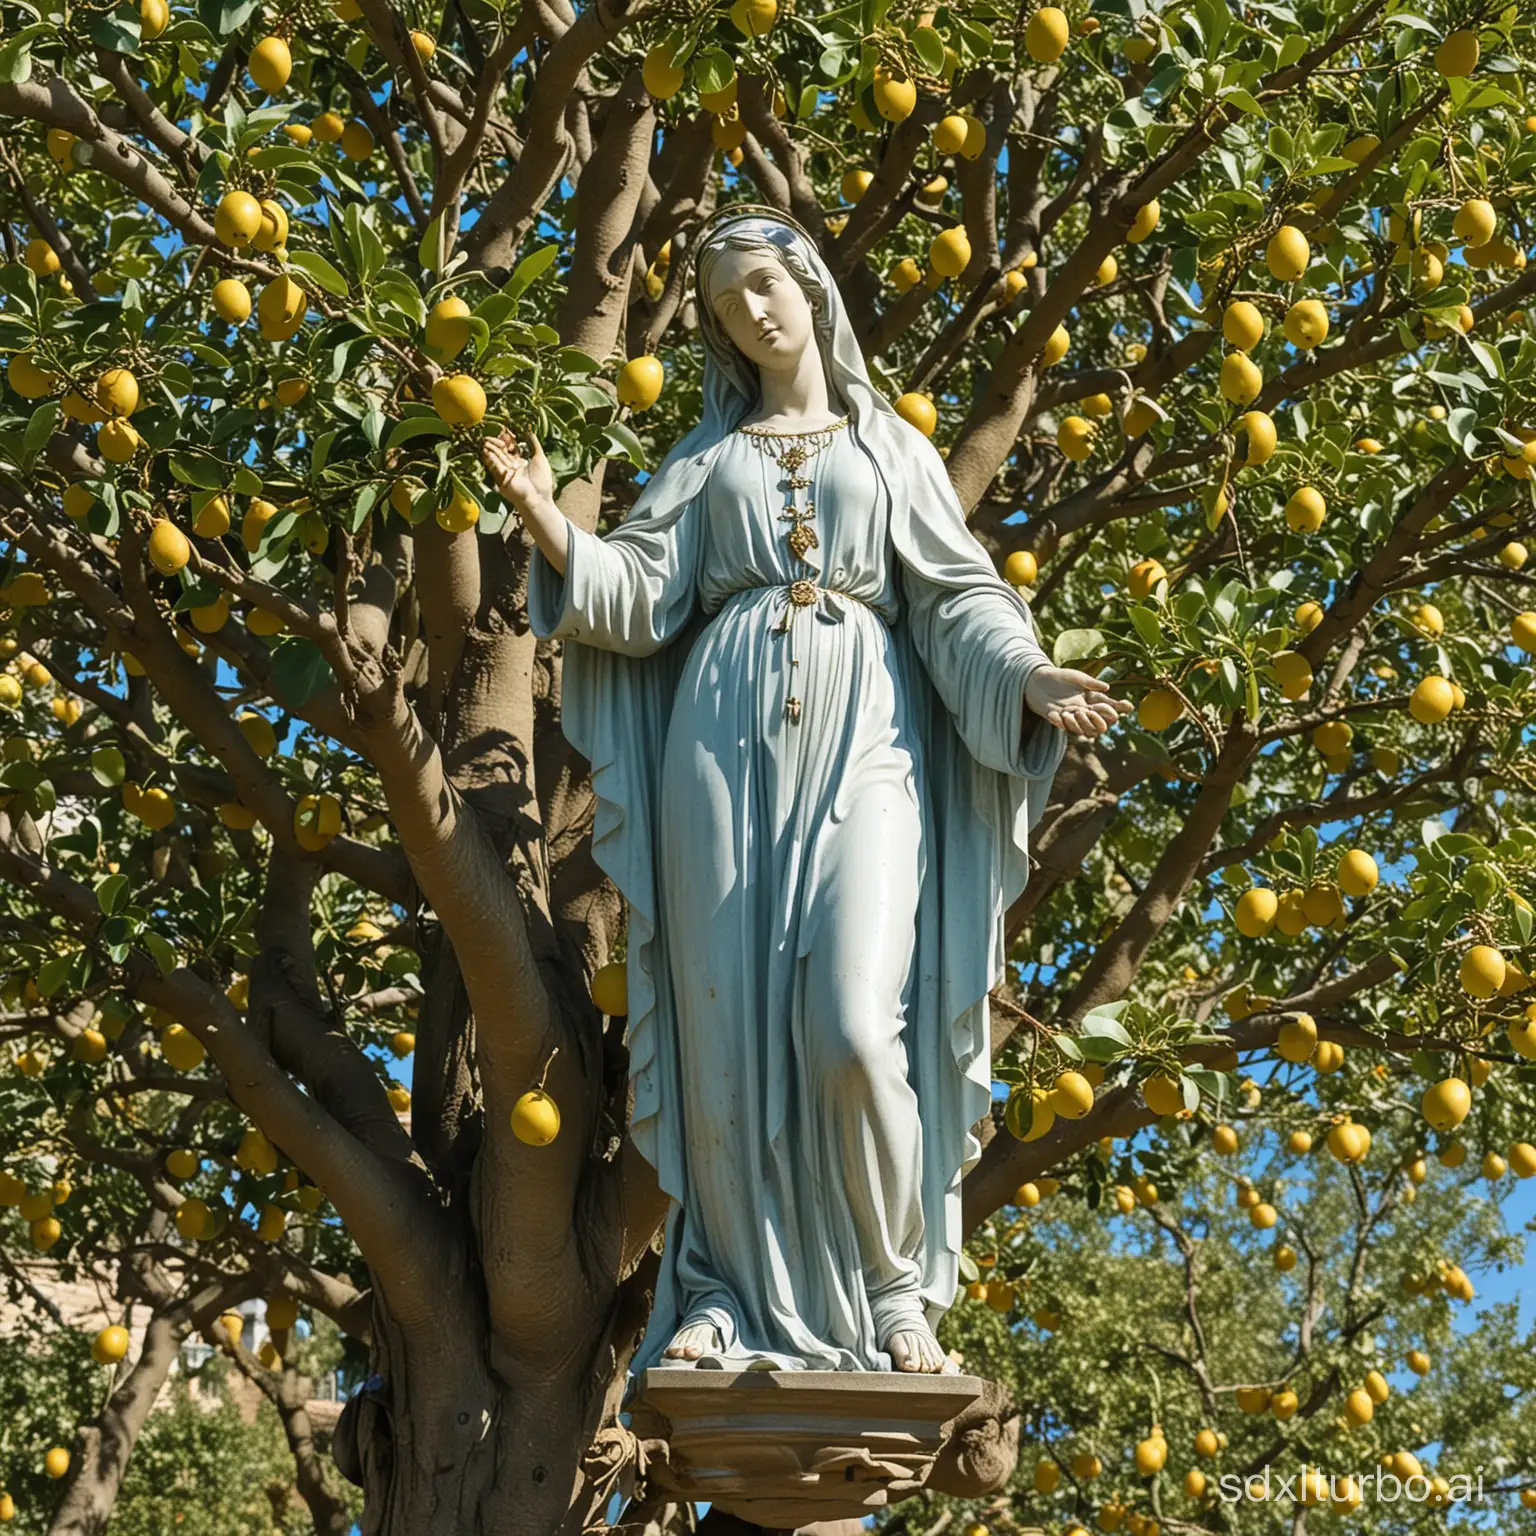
<point x="785" y="1449"/>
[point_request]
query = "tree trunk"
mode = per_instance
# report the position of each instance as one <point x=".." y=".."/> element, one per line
<point x="103" y="1448"/>
<point x="330" y="1515"/>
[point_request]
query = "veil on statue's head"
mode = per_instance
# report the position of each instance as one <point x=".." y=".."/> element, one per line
<point x="731" y="387"/>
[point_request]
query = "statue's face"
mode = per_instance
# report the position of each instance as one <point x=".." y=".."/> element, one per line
<point x="760" y="307"/>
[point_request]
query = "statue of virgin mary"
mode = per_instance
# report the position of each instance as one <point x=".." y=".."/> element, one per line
<point x="820" y="727"/>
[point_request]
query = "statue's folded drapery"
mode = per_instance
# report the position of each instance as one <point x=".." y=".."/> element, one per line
<point x="796" y="890"/>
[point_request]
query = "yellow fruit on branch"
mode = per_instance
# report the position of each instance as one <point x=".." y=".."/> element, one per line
<point x="754" y="18"/>
<point x="1074" y="437"/>
<point x="273" y="233"/>
<point x="1358" y="873"/>
<point x="1256" y="911"/>
<point x="662" y="78"/>
<point x="1028" y="1114"/>
<point x="232" y="301"/>
<point x="1298" y="1038"/>
<point x="1256" y="438"/>
<point x="1146" y="220"/>
<point x="357" y="141"/>
<point x="1158" y="709"/>
<point x="424" y="44"/>
<point x="117" y="392"/>
<point x="56" y="1462"/>
<point x="1072" y="1095"/>
<point x="1306" y="324"/>
<point x="282" y="1312"/>
<point x="855" y="184"/>
<point x="1287" y="254"/>
<point x="459" y="400"/>
<point x="1457" y="55"/>
<point x="168" y="547"/>
<point x="536" y="1118"/>
<point x="117" y="441"/>
<point x="1163" y="1095"/>
<point x="328" y="127"/>
<point x="41" y="258"/>
<point x="259" y="733"/>
<point x="270" y="65"/>
<point x="640" y="381"/>
<point x="1141" y="415"/>
<point x="154" y="18"/>
<point x="1144" y="577"/>
<point x="1243" y="325"/>
<point x="1522" y="631"/>
<point x="110" y="1345"/>
<point x="29" y="380"/>
<point x="1349" y="1142"/>
<point x="1475" y="221"/>
<point x="1021" y="569"/>
<point x="1431" y="700"/>
<point x="949" y="254"/>
<point x="447" y="328"/>
<point x="1483" y="969"/>
<point x="1045" y="38"/>
<point x="317" y="821"/>
<point x="895" y="95"/>
<point x="1056" y="345"/>
<point x="1241" y="378"/>
<point x="193" y="1219"/>
<point x="281" y="308"/>
<point x="949" y="134"/>
<point x="237" y="219"/>
<point x="459" y="513"/>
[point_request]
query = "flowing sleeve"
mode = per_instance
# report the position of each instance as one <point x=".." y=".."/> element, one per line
<point x="972" y="631"/>
<point x="630" y="592"/>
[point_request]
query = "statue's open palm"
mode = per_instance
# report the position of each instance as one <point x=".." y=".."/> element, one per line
<point x="522" y="481"/>
<point x="1076" y="701"/>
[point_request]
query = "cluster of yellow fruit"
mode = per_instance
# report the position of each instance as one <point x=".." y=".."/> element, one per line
<point x="154" y="807"/>
<point x="36" y="1207"/>
<point x="355" y="138"/>
<point x="1486" y="972"/>
<point x="1260" y="908"/>
<point x="1031" y="1112"/>
<point x="316" y="821"/>
<point x="29" y="673"/>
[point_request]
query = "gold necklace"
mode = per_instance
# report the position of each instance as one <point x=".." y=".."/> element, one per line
<point x="793" y="452"/>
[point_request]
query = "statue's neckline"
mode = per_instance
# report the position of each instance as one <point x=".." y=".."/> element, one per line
<point x="831" y="426"/>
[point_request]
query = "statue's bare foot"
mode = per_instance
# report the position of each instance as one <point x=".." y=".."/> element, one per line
<point x="915" y="1349"/>
<point x="696" y="1339"/>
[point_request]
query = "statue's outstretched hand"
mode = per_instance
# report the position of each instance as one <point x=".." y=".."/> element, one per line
<point x="523" y="482"/>
<point x="1076" y="701"/>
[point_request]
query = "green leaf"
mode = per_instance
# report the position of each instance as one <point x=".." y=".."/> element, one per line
<point x="930" y="48"/>
<point x="299" y="671"/>
<point x="427" y="250"/>
<point x="107" y="767"/>
<point x="118" y="32"/>
<point x="968" y="1270"/>
<point x="1145" y="623"/>
<point x="52" y="975"/>
<point x="713" y="70"/>
<point x="529" y="270"/>
<point x="16" y="61"/>
<point x="619" y="442"/>
<point x="161" y="951"/>
<point x="199" y="469"/>
<point x="111" y="893"/>
<point x="416" y="426"/>
<point x="321" y="270"/>
<point x="1076" y="645"/>
<point x="39" y="429"/>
